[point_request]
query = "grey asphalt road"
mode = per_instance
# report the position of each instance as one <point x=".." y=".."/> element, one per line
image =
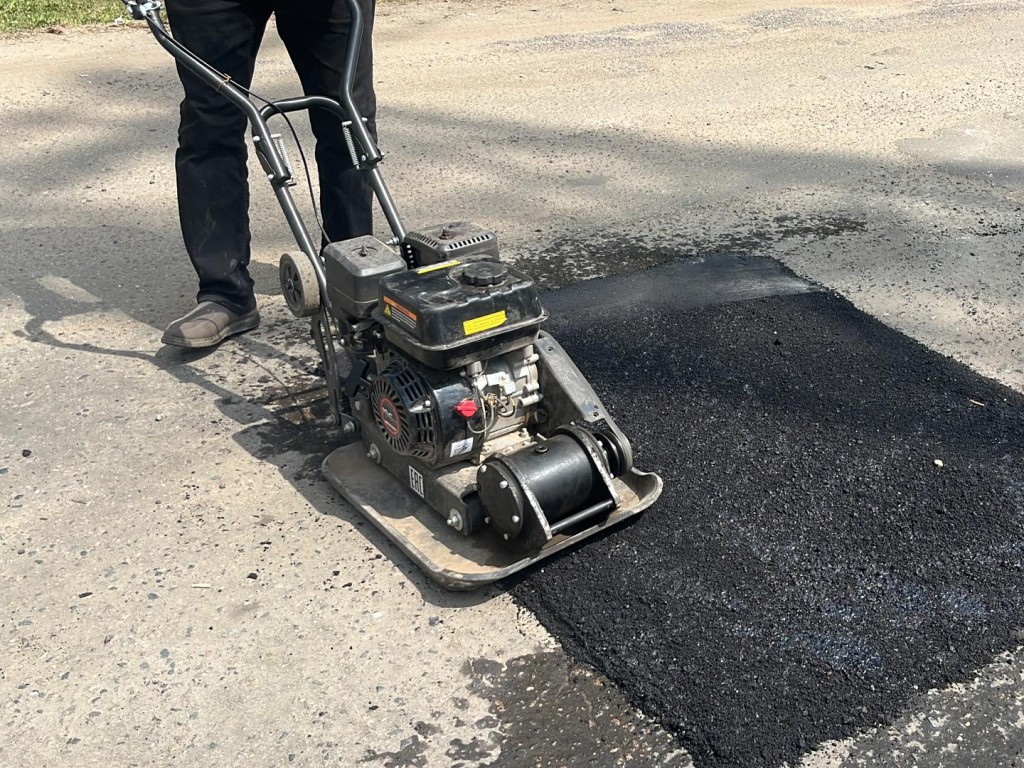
<point x="180" y="586"/>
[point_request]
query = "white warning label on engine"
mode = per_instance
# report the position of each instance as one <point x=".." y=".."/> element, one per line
<point x="416" y="481"/>
<point x="460" y="447"/>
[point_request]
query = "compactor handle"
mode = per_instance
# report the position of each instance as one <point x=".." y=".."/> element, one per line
<point x="145" y="11"/>
<point x="370" y="154"/>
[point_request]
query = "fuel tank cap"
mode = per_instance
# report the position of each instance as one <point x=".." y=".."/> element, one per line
<point x="483" y="273"/>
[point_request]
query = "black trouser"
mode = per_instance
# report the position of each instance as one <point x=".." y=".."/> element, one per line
<point x="213" y="192"/>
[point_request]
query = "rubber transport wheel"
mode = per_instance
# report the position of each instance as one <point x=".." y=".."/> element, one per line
<point x="298" y="284"/>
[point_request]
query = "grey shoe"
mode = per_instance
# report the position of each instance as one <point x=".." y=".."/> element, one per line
<point x="208" y="325"/>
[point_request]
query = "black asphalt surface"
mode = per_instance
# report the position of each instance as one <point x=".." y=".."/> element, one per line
<point x="842" y="526"/>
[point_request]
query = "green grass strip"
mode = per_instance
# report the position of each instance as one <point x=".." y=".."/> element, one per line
<point x="34" y="14"/>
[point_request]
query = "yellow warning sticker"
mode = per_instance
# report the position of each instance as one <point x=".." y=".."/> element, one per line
<point x="436" y="267"/>
<point x="484" y="323"/>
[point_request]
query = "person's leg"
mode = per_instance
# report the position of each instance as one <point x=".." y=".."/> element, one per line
<point x="315" y="33"/>
<point x="213" y="191"/>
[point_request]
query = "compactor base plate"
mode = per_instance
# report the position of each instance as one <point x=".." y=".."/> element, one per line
<point x="454" y="561"/>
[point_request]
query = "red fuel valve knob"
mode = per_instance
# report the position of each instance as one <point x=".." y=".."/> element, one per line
<point x="466" y="409"/>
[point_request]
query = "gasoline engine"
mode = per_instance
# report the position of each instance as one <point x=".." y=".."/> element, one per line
<point x="458" y="393"/>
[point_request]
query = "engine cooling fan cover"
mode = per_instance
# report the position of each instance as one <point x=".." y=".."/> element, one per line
<point x="404" y="412"/>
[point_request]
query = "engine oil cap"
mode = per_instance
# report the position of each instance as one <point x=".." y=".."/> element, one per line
<point x="483" y="273"/>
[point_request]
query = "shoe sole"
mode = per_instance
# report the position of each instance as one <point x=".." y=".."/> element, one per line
<point x="231" y="329"/>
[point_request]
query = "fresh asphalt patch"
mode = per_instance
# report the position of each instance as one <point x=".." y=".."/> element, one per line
<point x="842" y="526"/>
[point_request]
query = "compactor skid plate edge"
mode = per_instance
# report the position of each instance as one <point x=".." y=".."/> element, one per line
<point x="454" y="561"/>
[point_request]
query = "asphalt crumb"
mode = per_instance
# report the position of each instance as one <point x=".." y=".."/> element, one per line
<point x="549" y="712"/>
<point x="842" y="526"/>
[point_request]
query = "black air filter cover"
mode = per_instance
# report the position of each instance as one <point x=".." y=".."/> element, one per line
<point x="354" y="268"/>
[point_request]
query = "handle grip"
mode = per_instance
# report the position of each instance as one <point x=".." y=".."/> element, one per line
<point x="144" y="11"/>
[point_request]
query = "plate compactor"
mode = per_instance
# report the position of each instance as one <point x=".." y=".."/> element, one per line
<point x="483" y="448"/>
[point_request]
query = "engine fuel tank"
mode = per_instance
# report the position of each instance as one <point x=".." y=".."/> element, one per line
<point x="449" y="314"/>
